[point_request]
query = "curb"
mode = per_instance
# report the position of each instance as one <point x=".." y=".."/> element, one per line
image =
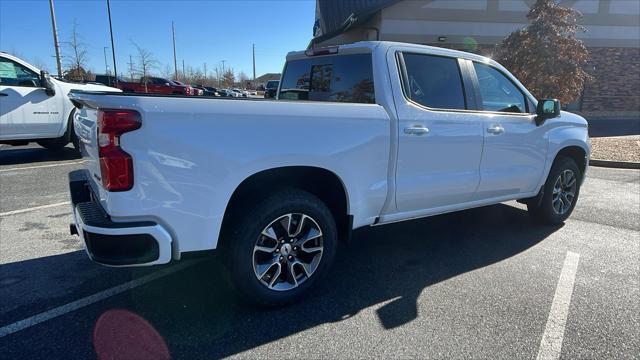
<point x="614" y="164"/>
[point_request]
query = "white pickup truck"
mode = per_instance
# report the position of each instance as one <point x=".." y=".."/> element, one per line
<point x="363" y="134"/>
<point x="34" y="106"/>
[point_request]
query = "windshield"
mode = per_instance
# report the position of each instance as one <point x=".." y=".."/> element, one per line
<point x="273" y="84"/>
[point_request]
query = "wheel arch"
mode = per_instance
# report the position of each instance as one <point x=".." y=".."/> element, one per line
<point x="323" y="183"/>
<point x="576" y="153"/>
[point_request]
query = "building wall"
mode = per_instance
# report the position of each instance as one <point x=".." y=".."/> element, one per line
<point x="616" y="84"/>
<point x="612" y="37"/>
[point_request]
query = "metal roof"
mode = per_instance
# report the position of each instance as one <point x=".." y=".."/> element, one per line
<point x="335" y="16"/>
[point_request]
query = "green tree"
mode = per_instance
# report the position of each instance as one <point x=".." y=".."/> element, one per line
<point x="546" y="56"/>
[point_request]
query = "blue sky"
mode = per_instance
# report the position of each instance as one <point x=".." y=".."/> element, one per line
<point x="206" y="31"/>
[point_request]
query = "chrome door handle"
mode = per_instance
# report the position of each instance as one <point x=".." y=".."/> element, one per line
<point x="495" y="129"/>
<point x="416" y="130"/>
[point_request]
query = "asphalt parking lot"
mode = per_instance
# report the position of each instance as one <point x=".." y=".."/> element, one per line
<point x="484" y="283"/>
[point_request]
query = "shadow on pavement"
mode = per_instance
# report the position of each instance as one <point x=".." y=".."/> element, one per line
<point x="10" y="155"/>
<point x="197" y="314"/>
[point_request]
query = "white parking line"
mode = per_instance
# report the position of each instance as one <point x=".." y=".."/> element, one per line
<point x="14" y="212"/>
<point x="91" y="299"/>
<point x="42" y="166"/>
<point x="551" y="343"/>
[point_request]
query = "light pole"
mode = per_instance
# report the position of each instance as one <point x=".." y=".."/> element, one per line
<point x="106" y="67"/>
<point x="223" y="61"/>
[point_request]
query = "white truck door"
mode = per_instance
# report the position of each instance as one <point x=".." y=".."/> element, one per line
<point x="515" y="148"/>
<point x="439" y="142"/>
<point x="25" y="108"/>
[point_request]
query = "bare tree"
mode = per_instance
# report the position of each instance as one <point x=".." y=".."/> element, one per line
<point x="243" y="79"/>
<point x="37" y="62"/>
<point x="167" y="71"/>
<point x="76" y="59"/>
<point x="146" y="63"/>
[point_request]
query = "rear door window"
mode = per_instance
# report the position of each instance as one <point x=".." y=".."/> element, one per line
<point x="340" y="78"/>
<point x="434" y="81"/>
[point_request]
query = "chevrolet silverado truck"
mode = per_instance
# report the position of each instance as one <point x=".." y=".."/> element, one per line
<point x="363" y="134"/>
<point x="34" y="106"/>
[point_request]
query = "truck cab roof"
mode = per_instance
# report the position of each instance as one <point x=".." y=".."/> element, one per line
<point x="371" y="46"/>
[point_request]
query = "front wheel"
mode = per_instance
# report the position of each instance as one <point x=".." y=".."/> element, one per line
<point x="281" y="248"/>
<point x="559" y="195"/>
<point x="58" y="144"/>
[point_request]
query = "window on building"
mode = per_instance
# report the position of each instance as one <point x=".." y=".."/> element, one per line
<point x="434" y="81"/>
<point x="340" y="78"/>
<point x="498" y="92"/>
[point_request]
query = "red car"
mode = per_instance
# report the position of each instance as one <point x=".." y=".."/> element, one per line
<point x="155" y="85"/>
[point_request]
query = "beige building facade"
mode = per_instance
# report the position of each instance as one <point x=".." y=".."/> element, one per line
<point x="612" y="36"/>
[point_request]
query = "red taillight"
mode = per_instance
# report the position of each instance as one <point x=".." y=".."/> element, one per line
<point x="116" y="166"/>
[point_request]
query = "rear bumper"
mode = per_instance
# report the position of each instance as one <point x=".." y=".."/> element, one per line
<point x="138" y="243"/>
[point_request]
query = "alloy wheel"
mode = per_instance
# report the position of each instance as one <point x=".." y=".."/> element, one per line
<point x="288" y="251"/>
<point x="564" y="192"/>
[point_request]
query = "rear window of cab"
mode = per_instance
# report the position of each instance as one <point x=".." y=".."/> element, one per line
<point x="338" y="78"/>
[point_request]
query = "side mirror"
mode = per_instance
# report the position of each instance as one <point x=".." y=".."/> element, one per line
<point x="547" y="109"/>
<point x="45" y="79"/>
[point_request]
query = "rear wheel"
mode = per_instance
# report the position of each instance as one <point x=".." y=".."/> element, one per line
<point x="559" y="195"/>
<point x="281" y="248"/>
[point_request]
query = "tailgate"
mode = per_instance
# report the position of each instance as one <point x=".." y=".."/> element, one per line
<point x="85" y="124"/>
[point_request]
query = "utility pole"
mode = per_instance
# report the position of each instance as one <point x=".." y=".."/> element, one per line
<point x="223" y="61"/>
<point x="254" y="63"/>
<point x="113" y="48"/>
<point x="175" y="62"/>
<point x="131" y="67"/>
<point x="205" y="71"/>
<point x="55" y="38"/>
<point x="106" y="67"/>
<point x="184" y="75"/>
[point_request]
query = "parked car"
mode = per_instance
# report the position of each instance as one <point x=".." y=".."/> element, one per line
<point x="271" y="89"/>
<point x="34" y="106"/>
<point x="156" y="85"/>
<point x="385" y="132"/>
<point x="211" y="91"/>
<point x="197" y="90"/>
<point x="228" y="93"/>
<point x="108" y="80"/>
<point x="241" y="93"/>
<point x="205" y="90"/>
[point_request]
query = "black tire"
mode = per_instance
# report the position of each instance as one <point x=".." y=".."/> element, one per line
<point x="246" y="231"/>
<point x="58" y="144"/>
<point x="541" y="208"/>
